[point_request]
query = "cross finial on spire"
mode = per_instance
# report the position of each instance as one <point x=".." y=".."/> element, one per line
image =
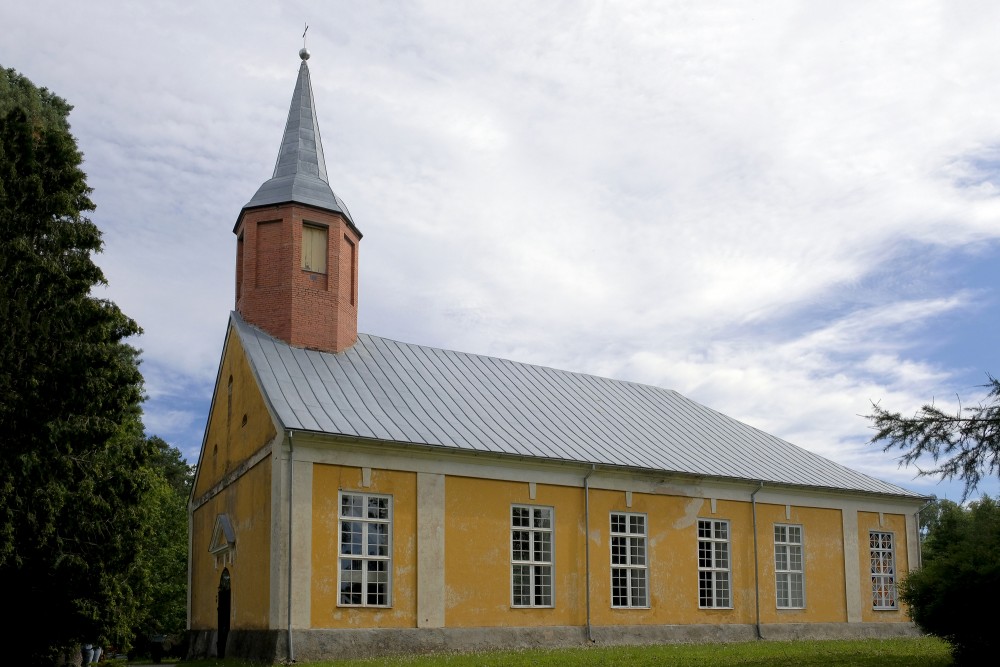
<point x="304" y="52"/>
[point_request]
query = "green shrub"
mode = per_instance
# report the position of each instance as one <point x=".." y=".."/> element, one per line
<point x="954" y="594"/>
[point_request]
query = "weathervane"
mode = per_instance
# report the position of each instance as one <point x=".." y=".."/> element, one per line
<point x="304" y="53"/>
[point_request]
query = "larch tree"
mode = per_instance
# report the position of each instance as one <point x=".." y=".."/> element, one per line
<point x="964" y="444"/>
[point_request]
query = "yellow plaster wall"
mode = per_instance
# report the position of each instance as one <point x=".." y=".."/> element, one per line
<point x="823" y="558"/>
<point x="402" y="486"/>
<point x="477" y="560"/>
<point x="247" y="502"/>
<point x="229" y="441"/>
<point x="672" y="525"/>
<point x="895" y="524"/>
<point x="477" y="554"/>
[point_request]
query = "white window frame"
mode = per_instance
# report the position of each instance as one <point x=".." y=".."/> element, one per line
<point x="715" y="564"/>
<point x="371" y="556"/>
<point x="789" y="566"/>
<point x="882" y="549"/>
<point x="629" y="554"/>
<point x="532" y="555"/>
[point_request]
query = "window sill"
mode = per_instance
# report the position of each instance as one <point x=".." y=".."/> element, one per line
<point x="533" y="606"/>
<point x="363" y="606"/>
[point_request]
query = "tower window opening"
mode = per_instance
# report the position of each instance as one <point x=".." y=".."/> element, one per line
<point x="314" y="248"/>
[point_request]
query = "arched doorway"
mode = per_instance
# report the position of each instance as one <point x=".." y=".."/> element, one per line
<point x="225" y="608"/>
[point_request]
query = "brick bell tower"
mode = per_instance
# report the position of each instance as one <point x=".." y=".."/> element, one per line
<point x="297" y="246"/>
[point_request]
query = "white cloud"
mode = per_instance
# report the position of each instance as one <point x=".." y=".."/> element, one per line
<point x="765" y="206"/>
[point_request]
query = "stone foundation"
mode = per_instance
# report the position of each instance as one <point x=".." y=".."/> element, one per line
<point x="271" y="646"/>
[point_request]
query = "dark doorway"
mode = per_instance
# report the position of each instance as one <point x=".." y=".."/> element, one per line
<point x="225" y="608"/>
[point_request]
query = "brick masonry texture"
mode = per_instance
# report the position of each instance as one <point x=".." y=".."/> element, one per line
<point x="303" y="308"/>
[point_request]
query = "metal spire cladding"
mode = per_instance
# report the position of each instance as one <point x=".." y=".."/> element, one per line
<point x="300" y="172"/>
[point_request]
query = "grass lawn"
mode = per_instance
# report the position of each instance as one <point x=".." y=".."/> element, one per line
<point x="922" y="652"/>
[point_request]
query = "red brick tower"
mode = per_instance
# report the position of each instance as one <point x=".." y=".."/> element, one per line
<point x="297" y="246"/>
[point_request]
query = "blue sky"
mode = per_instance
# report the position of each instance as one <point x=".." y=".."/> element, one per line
<point x="782" y="210"/>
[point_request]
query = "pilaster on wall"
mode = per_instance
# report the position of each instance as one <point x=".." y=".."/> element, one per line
<point x="430" y="550"/>
<point x="299" y="557"/>
<point x="913" y="557"/>
<point x="302" y="506"/>
<point x="852" y="573"/>
<point x="278" y="582"/>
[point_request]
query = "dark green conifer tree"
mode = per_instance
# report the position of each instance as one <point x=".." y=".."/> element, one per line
<point x="74" y="462"/>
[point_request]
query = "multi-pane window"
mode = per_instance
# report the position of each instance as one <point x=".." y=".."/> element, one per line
<point x="713" y="563"/>
<point x="314" y="248"/>
<point x="628" y="560"/>
<point x="531" y="556"/>
<point x="883" y="570"/>
<point x="789" y="574"/>
<point x="365" y="549"/>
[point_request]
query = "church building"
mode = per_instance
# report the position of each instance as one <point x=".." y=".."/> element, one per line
<point x="358" y="496"/>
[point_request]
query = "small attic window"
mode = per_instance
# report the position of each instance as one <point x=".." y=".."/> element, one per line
<point x="314" y="244"/>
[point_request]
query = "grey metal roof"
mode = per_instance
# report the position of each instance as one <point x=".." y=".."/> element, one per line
<point x="300" y="171"/>
<point x="391" y="391"/>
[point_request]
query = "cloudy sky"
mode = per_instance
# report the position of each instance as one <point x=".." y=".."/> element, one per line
<point x="783" y="210"/>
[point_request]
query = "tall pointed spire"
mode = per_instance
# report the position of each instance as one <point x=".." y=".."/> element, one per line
<point x="296" y="245"/>
<point x="300" y="171"/>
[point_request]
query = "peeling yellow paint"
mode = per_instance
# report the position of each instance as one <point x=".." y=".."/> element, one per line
<point x="692" y="508"/>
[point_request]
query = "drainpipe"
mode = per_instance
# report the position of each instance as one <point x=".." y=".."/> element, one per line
<point x="920" y="539"/>
<point x="586" y="542"/>
<point x="291" y="651"/>
<point x="756" y="567"/>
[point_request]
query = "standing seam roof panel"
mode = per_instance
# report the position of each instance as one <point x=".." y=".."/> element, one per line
<point x="623" y="456"/>
<point x="392" y="391"/>
<point x="544" y="419"/>
<point x="368" y="407"/>
<point x="337" y="408"/>
<point x="479" y="429"/>
<point x="499" y="403"/>
<point x="352" y="410"/>
<point x="473" y="399"/>
<point x="419" y="385"/>
<point x="400" y="390"/>
<point x="400" y="395"/>
<point x="377" y="407"/>
<point x="641" y="441"/>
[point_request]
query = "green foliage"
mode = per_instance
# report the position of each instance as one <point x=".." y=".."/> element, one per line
<point x="165" y="555"/>
<point x="74" y="467"/>
<point x="965" y="445"/>
<point x="953" y="595"/>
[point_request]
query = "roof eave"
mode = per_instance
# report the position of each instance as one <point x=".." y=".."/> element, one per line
<point x="606" y="467"/>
